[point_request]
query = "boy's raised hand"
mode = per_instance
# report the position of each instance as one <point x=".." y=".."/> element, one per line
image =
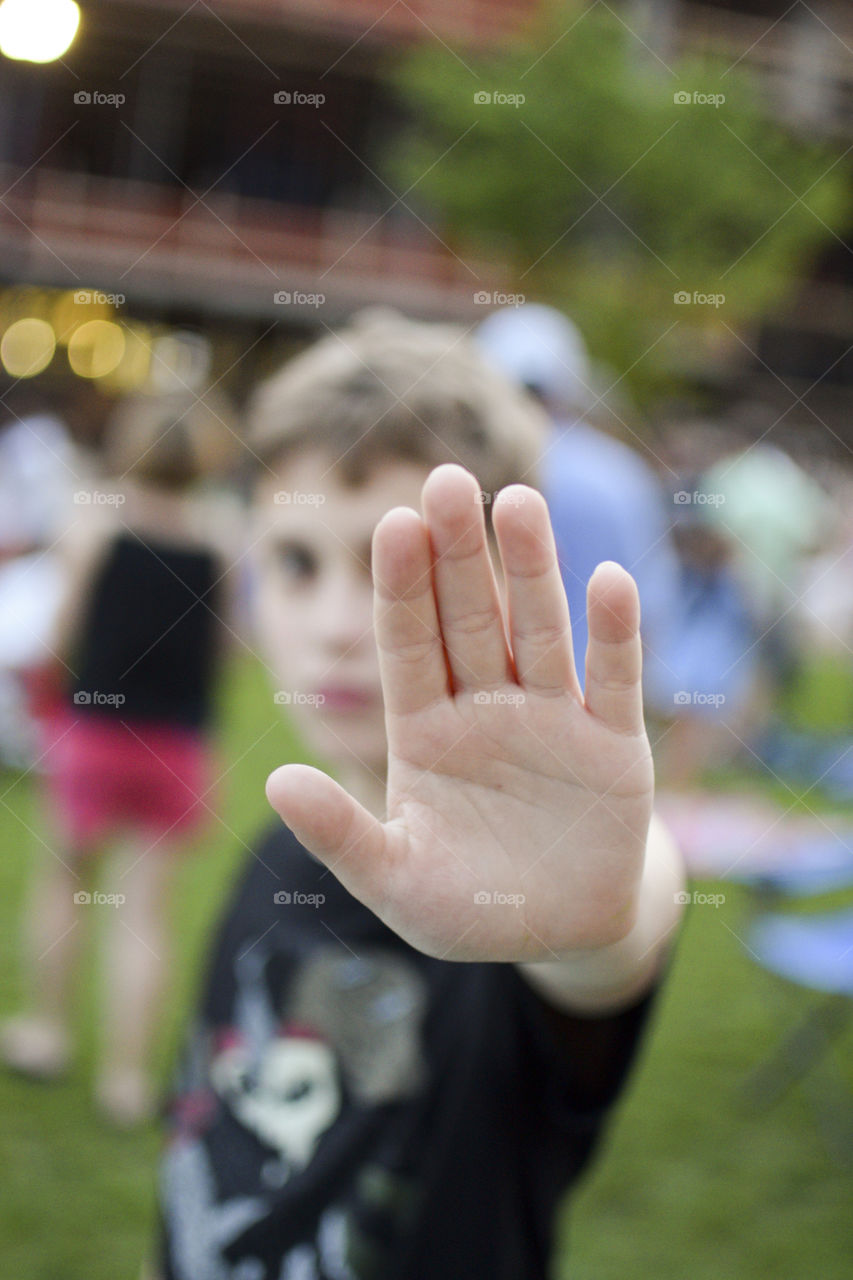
<point x="517" y="808"/>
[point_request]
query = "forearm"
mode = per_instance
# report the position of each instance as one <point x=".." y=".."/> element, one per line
<point x="605" y="979"/>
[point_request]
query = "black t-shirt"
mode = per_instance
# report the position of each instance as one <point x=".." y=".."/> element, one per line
<point x="350" y="1109"/>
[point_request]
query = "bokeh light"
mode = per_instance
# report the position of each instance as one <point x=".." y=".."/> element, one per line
<point x="27" y="348"/>
<point x="96" y="348"/>
<point x="181" y="361"/>
<point x="132" y="370"/>
<point x="37" y="30"/>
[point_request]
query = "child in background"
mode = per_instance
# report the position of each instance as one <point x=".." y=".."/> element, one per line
<point x="429" y="986"/>
<point x="128" y="760"/>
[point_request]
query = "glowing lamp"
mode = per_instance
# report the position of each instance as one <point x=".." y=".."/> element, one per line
<point x="27" y="347"/>
<point x="37" y="30"/>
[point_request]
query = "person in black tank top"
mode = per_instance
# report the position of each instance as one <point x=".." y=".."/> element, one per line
<point x="150" y="633"/>
<point x="128" y="761"/>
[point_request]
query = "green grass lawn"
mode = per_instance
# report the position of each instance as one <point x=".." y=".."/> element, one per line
<point x="686" y="1184"/>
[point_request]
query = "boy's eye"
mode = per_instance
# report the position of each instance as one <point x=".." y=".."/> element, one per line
<point x="295" y="560"/>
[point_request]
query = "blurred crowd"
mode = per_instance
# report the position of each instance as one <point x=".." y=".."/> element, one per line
<point x="742" y="554"/>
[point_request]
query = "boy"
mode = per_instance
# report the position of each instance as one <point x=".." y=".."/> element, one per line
<point x="429" y="986"/>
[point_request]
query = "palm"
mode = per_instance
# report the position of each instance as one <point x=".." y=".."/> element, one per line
<point x="517" y="812"/>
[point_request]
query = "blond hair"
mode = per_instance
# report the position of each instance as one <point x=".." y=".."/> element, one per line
<point x="387" y="387"/>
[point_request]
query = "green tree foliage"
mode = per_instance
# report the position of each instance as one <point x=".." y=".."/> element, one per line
<point x="614" y="181"/>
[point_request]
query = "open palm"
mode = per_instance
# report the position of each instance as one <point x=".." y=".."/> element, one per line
<point x="517" y="808"/>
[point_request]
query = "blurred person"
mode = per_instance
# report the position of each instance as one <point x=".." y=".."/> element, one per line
<point x="775" y="515"/>
<point x="605" y="501"/>
<point x="396" y="1070"/>
<point x="823" y="614"/>
<point x="39" y="472"/>
<point x="716" y="651"/>
<point x="38" y="476"/>
<point x="811" y="740"/>
<point x="128" y="756"/>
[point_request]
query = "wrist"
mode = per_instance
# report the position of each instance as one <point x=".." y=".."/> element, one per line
<point x="605" y="978"/>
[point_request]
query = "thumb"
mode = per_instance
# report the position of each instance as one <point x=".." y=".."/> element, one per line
<point x="333" y="826"/>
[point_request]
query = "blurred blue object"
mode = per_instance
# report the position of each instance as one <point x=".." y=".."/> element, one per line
<point x="819" y="759"/>
<point x="714" y="646"/>
<point x="812" y="866"/>
<point x="814" y="951"/>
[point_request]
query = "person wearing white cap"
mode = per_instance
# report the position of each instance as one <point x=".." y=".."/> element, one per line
<point x="605" y="501"/>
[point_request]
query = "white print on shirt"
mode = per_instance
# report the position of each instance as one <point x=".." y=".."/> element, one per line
<point x="201" y="1228"/>
<point x="292" y="1098"/>
<point x="347" y="1020"/>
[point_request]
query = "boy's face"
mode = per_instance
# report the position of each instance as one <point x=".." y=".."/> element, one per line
<point x="314" y="605"/>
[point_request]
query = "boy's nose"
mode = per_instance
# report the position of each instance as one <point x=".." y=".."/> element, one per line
<point x="347" y="614"/>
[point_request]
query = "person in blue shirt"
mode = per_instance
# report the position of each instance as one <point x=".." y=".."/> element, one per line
<point x="605" y="501"/>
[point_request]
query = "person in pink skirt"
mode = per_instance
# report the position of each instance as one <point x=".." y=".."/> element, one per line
<point x="127" y="754"/>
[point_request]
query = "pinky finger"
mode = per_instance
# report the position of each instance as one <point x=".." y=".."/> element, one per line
<point x="614" y="655"/>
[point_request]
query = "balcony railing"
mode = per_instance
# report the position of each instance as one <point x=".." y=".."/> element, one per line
<point x="803" y="60"/>
<point x="227" y="255"/>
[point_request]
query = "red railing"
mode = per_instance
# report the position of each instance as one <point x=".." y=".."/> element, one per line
<point x="153" y="241"/>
